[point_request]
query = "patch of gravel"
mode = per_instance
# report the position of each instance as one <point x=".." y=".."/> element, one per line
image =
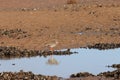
<point x="104" y="46"/>
<point x="14" y="33"/>
<point x="14" y="52"/>
<point x="24" y="76"/>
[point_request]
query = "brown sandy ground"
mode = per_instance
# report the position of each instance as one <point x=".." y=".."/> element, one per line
<point x="95" y="25"/>
<point x="97" y="22"/>
<point x="15" y="4"/>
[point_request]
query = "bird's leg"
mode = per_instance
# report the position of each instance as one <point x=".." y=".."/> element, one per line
<point x="51" y="56"/>
<point x="51" y="49"/>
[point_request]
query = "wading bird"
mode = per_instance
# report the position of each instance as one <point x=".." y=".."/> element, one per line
<point x="51" y="45"/>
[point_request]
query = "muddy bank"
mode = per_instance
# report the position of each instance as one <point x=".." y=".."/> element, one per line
<point x="109" y="75"/>
<point x="14" y="52"/>
<point x="81" y="74"/>
<point x="115" y="66"/>
<point x="113" y="75"/>
<point x="21" y="75"/>
<point x="104" y="46"/>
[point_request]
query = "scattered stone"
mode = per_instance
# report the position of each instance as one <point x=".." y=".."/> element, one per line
<point x="2" y="42"/>
<point x="99" y="5"/>
<point x="81" y="74"/>
<point x="13" y="64"/>
<point x="14" y="52"/>
<point x="21" y="75"/>
<point x="28" y="9"/>
<point x="115" y="66"/>
<point x="103" y="46"/>
<point x="14" y="33"/>
<point x="114" y="74"/>
<point x="116" y="19"/>
<point x="88" y="28"/>
<point x="71" y="2"/>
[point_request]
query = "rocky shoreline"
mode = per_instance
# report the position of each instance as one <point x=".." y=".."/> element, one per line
<point x="104" y="46"/>
<point x="15" y="52"/>
<point x="22" y="75"/>
<point x="109" y="75"/>
<point x="92" y="24"/>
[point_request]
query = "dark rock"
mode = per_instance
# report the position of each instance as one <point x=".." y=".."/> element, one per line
<point x="71" y="2"/>
<point x="114" y="74"/>
<point x="103" y="46"/>
<point x="81" y="74"/>
<point x="13" y="64"/>
<point x="24" y="76"/>
<point x="14" y="52"/>
<point x="115" y="66"/>
<point x="14" y="33"/>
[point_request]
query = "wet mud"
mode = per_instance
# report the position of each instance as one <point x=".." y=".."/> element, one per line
<point x="113" y="74"/>
<point x="21" y="75"/>
<point x="104" y="46"/>
<point x="114" y="66"/>
<point x="109" y="75"/>
<point x="81" y="74"/>
<point x="14" y="52"/>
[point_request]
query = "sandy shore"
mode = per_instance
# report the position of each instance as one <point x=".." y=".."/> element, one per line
<point x="71" y="27"/>
<point x="32" y="26"/>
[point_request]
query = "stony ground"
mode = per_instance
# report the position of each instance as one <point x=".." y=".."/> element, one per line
<point x="72" y="27"/>
<point x="86" y="23"/>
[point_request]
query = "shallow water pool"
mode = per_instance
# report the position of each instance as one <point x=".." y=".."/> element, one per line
<point x="87" y="60"/>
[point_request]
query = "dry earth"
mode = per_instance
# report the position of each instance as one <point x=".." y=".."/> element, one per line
<point x="86" y="23"/>
<point x="95" y="25"/>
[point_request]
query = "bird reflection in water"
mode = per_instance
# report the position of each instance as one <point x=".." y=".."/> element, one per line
<point x="52" y="61"/>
